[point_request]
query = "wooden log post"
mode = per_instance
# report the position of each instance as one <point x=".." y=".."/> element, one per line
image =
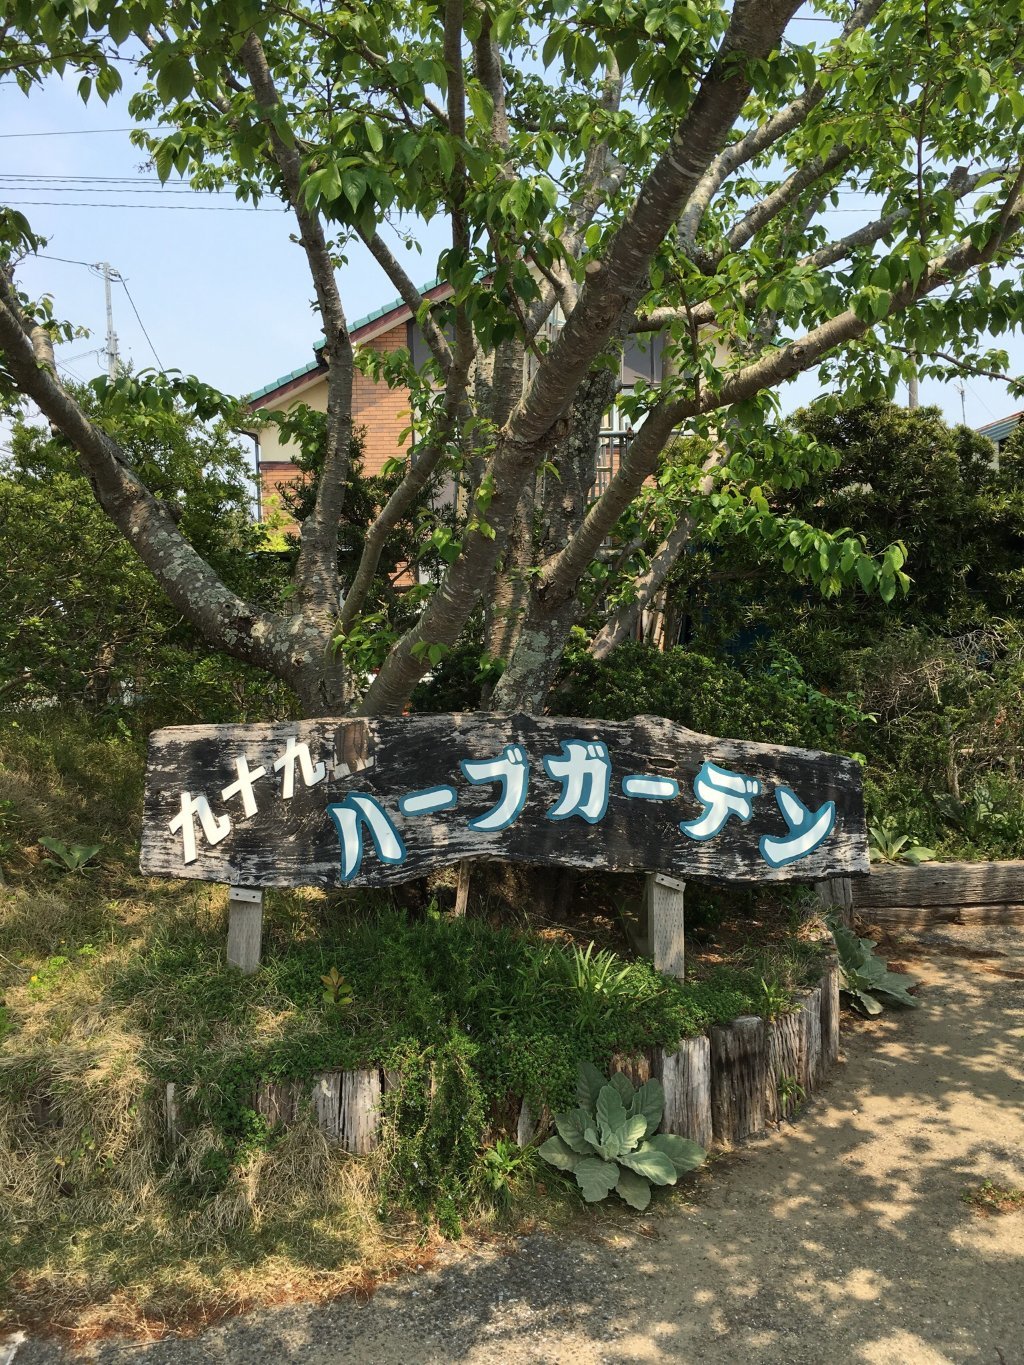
<point x="783" y="1071"/>
<point x="739" y="1068"/>
<point x="664" y="898"/>
<point x="685" y="1077"/>
<point x="830" y="1017"/>
<point x="462" y="888"/>
<point x="359" y="1111"/>
<point x="836" y="894"/>
<point x="245" y="928"/>
<point x="809" y="1016"/>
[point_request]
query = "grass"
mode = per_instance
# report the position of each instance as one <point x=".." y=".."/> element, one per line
<point x="989" y="1197"/>
<point x="113" y="985"/>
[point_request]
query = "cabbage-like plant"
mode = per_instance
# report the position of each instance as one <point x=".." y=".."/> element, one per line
<point x="610" y="1140"/>
<point x="865" y="978"/>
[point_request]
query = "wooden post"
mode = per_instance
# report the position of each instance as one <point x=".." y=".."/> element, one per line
<point x="739" y="1068"/>
<point x="462" y="887"/>
<point x="664" y="898"/>
<point x="245" y="928"/>
<point x="837" y="894"/>
<point x="685" y="1077"/>
<point x="829" y="1017"/>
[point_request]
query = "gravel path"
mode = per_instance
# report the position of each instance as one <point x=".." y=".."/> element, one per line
<point x="843" y="1238"/>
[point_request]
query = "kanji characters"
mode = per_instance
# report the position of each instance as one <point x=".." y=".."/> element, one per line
<point x="359" y="809"/>
<point x="722" y="793"/>
<point x="584" y="770"/>
<point x="243" y="786"/>
<point x="511" y="770"/>
<point x="298" y="754"/>
<point x="215" y="827"/>
<point x="807" y="829"/>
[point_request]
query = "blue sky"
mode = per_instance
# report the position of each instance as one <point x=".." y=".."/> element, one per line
<point x="221" y="290"/>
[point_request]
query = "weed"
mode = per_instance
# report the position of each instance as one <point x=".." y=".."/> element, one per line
<point x="988" y="1197"/>
<point x="70" y="857"/>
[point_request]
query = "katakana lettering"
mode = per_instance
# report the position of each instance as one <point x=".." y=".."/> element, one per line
<point x="807" y="829"/>
<point x="215" y="827"/>
<point x="584" y="770"/>
<point x="350" y="816"/>
<point x="722" y="793"/>
<point x="243" y="786"/>
<point x="298" y="754"/>
<point x="649" y="788"/>
<point x="429" y="801"/>
<point x="510" y="769"/>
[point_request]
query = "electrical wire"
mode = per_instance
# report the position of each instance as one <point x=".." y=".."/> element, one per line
<point x="157" y="208"/>
<point x="160" y="363"/>
<point x="82" y="132"/>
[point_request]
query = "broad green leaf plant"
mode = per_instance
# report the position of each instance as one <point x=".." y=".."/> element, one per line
<point x="610" y="1141"/>
<point x="865" y="978"/>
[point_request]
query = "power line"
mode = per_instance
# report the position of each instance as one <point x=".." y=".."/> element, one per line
<point x="84" y="132"/>
<point x="160" y="363"/>
<point x="158" y="208"/>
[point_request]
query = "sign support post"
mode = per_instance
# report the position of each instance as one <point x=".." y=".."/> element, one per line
<point x="245" y="928"/>
<point x="663" y="902"/>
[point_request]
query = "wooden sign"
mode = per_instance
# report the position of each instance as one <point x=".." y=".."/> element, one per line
<point x="375" y="802"/>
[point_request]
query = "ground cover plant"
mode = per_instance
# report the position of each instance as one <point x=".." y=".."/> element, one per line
<point x="113" y="985"/>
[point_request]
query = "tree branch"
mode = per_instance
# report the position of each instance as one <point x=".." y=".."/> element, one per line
<point x="317" y="567"/>
<point x="608" y="297"/>
<point x="412" y="298"/>
<point x="223" y="618"/>
<point x="759" y="139"/>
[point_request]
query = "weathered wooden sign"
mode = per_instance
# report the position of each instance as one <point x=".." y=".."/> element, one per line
<point x="374" y="802"/>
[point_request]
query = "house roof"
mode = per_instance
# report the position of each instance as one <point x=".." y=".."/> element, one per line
<point x="363" y="329"/>
<point x="1000" y="430"/>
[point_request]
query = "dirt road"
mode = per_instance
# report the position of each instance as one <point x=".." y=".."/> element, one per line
<point x="842" y="1238"/>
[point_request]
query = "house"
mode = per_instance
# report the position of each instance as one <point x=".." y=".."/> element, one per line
<point x="1000" y="432"/>
<point x="383" y="413"/>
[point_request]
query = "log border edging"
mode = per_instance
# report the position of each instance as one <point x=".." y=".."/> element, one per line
<point x="720" y="1087"/>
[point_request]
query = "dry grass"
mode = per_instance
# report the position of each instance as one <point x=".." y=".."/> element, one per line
<point x="94" y="1234"/>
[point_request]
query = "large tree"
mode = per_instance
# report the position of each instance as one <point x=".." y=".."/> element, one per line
<point x="607" y="168"/>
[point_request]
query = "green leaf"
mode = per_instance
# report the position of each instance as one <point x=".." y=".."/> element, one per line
<point x="572" y="1127"/>
<point x="652" y="1164"/>
<point x="623" y="1085"/>
<point x="588" y="1085"/>
<point x="374" y="136"/>
<point x="650" y="1102"/>
<point x="683" y="1154"/>
<point x="556" y="1153"/>
<point x="611" y="1112"/>
<point x="595" y="1178"/>
<point x="631" y="1132"/>
<point x="633" y="1188"/>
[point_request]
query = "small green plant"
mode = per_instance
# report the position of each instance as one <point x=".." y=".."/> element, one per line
<point x="501" y="1170"/>
<point x="69" y="857"/>
<point x="610" y="1140"/>
<point x="886" y="846"/>
<point x="774" y="999"/>
<point x="988" y="1197"/>
<point x="791" y="1092"/>
<point x="865" y="978"/>
<point x="337" y="990"/>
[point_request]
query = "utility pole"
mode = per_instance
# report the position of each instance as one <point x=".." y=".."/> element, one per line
<point x="108" y="274"/>
<point x="913" y="399"/>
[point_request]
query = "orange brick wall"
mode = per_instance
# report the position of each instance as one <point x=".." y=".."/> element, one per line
<point x="379" y="412"/>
